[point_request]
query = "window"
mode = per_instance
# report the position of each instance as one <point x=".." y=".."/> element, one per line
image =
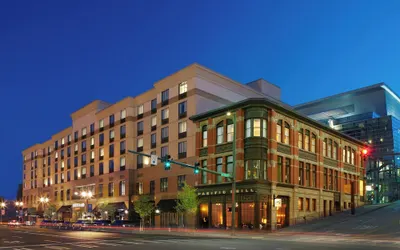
<point x="101" y="153"/>
<point x="182" y="88"/>
<point x="140" y="142"/>
<point x="111" y="166"/>
<point x="123" y="114"/>
<point x="139" y="161"/>
<point x="112" y="135"/>
<point x="336" y="181"/>
<point x="92" y="142"/>
<point x="140" y="128"/>
<point x="335" y="150"/>
<point x="308" y="174"/>
<point x="110" y="189"/>
<point x="139" y="188"/>
<point x="325" y="178"/>
<point x="344" y="154"/>
<point x="280" y="168"/>
<point x="69" y="141"/>
<point x="83" y="173"/>
<point x="287" y="170"/>
<point x="204" y="174"/>
<point x="255" y="169"/>
<point x="307" y="204"/>
<point x="300" y="139"/>
<point x="164" y="151"/>
<point x="314" y="205"/>
<point x="100" y="190"/>
<point x="122" y="131"/>
<point x="352" y="157"/>
<point x="91" y="170"/>
<point x="164" y="114"/>
<point x="75" y="161"/>
<point x="182" y="150"/>
<point x="314" y="176"/>
<point x="122" y="147"/>
<point x="152" y="187"/>
<point x="122" y="188"/>
<point x="101" y="139"/>
<point x="68" y="176"/>
<point x="301" y="173"/>
<point x="112" y="120"/>
<point x="101" y="123"/>
<point x="181" y="181"/>
<point x="300" y="204"/>
<point x="219" y="169"/>
<point x="83" y="146"/>
<point x="164" y="185"/>
<point x="122" y="163"/>
<point x="256" y="127"/>
<point x="329" y="149"/>
<point x="154" y="121"/>
<point x="153" y="140"/>
<point x="83" y="159"/>
<point x="182" y="127"/>
<point x="306" y="140"/>
<point x="83" y="132"/>
<point x="154" y="104"/>
<point x="182" y="109"/>
<point x="140" y="109"/>
<point x="164" y="135"/>
<point x="279" y="131"/>
<point x="229" y="164"/>
<point x="111" y="150"/>
<point x="62" y="142"/>
<point x="313" y="143"/>
<point x="101" y="168"/>
<point x="229" y="131"/>
<point x="220" y="133"/>
<point x="348" y="154"/>
<point x="165" y="96"/>
<point x="68" y="194"/>
<point x="92" y="128"/>
<point x="204" y="136"/>
<point x="286" y="136"/>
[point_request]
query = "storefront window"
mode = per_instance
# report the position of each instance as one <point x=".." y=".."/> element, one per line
<point x="263" y="214"/>
<point x="256" y="169"/>
<point x="204" y="215"/>
<point x="229" y="215"/>
<point x="217" y="217"/>
<point x="247" y="214"/>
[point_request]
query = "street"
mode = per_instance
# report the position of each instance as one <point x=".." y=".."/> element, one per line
<point x="34" y="238"/>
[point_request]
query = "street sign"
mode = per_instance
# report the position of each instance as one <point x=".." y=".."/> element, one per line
<point x="225" y="175"/>
<point x="153" y="160"/>
<point x="278" y="202"/>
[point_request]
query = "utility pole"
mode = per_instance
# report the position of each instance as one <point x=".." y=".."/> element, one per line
<point x="233" y="173"/>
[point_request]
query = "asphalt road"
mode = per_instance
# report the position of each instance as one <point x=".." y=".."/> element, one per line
<point x="35" y="238"/>
<point x="379" y="224"/>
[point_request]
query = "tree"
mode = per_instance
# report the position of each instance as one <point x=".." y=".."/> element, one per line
<point x="106" y="210"/>
<point x="188" y="201"/>
<point x="50" y="212"/>
<point x="144" y="207"/>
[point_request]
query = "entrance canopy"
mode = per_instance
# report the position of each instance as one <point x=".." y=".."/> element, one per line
<point x="64" y="209"/>
<point x="168" y="205"/>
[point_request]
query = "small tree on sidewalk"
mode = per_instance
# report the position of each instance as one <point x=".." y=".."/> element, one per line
<point x="144" y="207"/>
<point x="50" y="212"/>
<point x="188" y="201"/>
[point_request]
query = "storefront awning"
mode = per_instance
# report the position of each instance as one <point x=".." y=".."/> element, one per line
<point x="116" y="205"/>
<point x="64" y="209"/>
<point x="167" y="205"/>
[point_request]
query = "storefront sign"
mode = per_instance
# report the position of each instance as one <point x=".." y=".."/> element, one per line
<point x="278" y="202"/>
<point x="222" y="192"/>
<point x="368" y="188"/>
<point x="75" y="205"/>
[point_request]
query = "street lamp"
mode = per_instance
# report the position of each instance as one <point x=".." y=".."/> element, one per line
<point x="2" y="206"/>
<point x="44" y="201"/>
<point x="87" y="195"/>
<point x="233" y="171"/>
<point x="19" y="204"/>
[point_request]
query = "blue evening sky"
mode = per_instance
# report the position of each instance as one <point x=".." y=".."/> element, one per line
<point x="57" y="56"/>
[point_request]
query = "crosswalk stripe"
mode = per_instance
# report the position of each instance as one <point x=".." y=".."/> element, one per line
<point x="108" y="244"/>
<point x="147" y="241"/>
<point x="85" y="246"/>
<point x="130" y="242"/>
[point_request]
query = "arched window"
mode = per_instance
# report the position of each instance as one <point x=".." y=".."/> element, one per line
<point x="335" y="151"/>
<point x="220" y="133"/>
<point x="348" y="155"/>
<point x="313" y="142"/>
<point x="353" y="156"/>
<point x="329" y="150"/>
<point x="307" y="141"/>
<point x="279" y="131"/>
<point x="286" y="138"/>
<point x="324" y="146"/>
<point x="229" y="130"/>
<point x="204" y="136"/>
<point x="344" y="154"/>
<point x="300" y="140"/>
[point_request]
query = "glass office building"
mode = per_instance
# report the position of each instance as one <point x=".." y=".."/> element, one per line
<point x="372" y="115"/>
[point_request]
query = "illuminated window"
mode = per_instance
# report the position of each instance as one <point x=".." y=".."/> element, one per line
<point x="229" y="131"/>
<point x="154" y="121"/>
<point x="123" y="114"/>
<point x="84" y="131"/>
<point x="300" y="139"/>
<point x="182" y="127"/>
<point x="204" y="135"/>
<point x="313" y="143"/>
<point x="101" y="123"/>
<point x="140" y="142"/>
<point x="279" y="131"/>
<point x="182" y="88"/>
<point x="329" y="150"/>
<point x="220" y="133"/>
<point x="335" y="150"/>
<point x="307" y="141"/>
<point x="140" y="109"/>
<point x="286" y="138"/>
<point x="324" y="147"/>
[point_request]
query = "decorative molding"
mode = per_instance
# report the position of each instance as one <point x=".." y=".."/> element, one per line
<point x="307" y="155"/>
<point x="330" y="162"/>
<point x="222" y="148"/>
<point x="285" y="149"/>
<point x="349" y="168"/>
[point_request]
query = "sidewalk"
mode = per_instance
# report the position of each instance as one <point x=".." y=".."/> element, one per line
<point x="335" y="218"/>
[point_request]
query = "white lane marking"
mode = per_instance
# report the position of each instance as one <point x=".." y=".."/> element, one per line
<point x="108" y="244"/>
<point x="13" y="242"/>
<point x="147" y="241"/>
<point x="22" y="248"/>
<point x="129" y="242"/>
<point x="18" y="237"/>
<point x="85" y="246"/>
<point x="57" y="247"/>
<point x="52" y="241"/>
<point x="227" y="248"/>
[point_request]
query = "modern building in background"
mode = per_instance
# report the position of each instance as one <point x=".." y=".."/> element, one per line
<point x="289" y="167"/>
<point x="91" y="156"/>
<point x="372" y="115"/>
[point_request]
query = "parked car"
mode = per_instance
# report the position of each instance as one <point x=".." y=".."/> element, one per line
<point x="14" y="223"/>
<point x="82" y="224"/>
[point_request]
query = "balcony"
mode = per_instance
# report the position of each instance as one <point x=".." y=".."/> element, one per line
<point x="91" y="160"/>
<point x="182" y="115"/>
<point x="153" y="111"/>
<point x="182" y="96"/>
<point x="123" y="120"/>
<point x="153" y="145"/>
<point x="140" y="132"/>
<point x="140" y="116"/>
<point x="92" y="146"/>
<point x="164" y="121"/>
<point x="139" y="149"/>
<point x="122" y="151"/>
<point x="101" y="157"/>
<point x="181" y="155"/>
<point x="83" y="136"/>
<point x="153" y="128"/>
<point x="122" y="136"/>
<point x="182" y="135"/>
<point x="164" y="139"/>
<point x="111" y="139"/>
<point x="165" y="103"/>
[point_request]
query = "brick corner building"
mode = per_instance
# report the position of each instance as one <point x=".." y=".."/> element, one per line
<point x="289" y="167"/>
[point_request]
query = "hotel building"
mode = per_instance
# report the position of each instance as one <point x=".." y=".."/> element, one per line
<point x="288" y="167"/>
<point x="92" y="154"/>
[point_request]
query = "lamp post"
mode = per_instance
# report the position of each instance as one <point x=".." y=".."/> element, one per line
<point x="87" y="196"/>
<point x="2" y="206"/>
<point x="233" y="171"/>
<point x="20" y="205"/>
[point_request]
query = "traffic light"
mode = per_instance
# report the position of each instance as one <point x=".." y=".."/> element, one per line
<point x="196" y="168"/>
<point x="365" y="153"/>
<point x="167" y="162"/>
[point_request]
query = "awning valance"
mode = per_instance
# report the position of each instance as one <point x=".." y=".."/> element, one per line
<point x="64" y="209"/>
<point x="167" y="205"/>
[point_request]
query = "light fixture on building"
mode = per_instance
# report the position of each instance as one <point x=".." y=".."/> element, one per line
<point x="146" y="161"/>
<point x="157" y="211"/>
<point x="381" y="139"/>
<point x="369" y="141"/>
